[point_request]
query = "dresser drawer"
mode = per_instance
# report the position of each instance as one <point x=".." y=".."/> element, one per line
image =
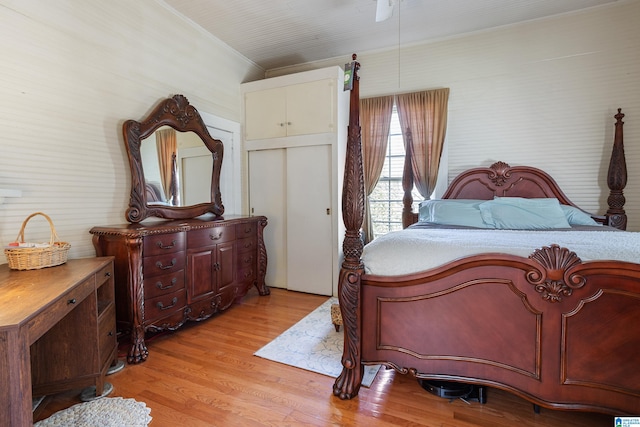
<point x="247" y="275"/>
<point x="248" y="244"/>
<point x="246" y="259"/>
<point x="163" y="284"/>
<point x="246" y="229"/>
<point x="210" y="236"/>
<point x="163" y="243"/>
<point x="163" y="264"/>
<point x="162" y="306"/>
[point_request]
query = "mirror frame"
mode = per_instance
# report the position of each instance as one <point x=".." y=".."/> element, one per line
<point x="177" y="113"/>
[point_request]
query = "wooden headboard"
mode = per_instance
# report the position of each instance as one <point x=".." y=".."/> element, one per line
<point x="502" y="180"/>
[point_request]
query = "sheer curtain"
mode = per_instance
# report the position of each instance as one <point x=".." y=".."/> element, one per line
<point x="375" y="120"/>
<point x="167" y="145"/>
<point x="425" y="113"/>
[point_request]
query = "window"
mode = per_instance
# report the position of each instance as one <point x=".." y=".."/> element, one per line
<point x="386" y="199"/>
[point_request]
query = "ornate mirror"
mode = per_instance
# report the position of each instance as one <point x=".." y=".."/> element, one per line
<point x="175" y="164"/>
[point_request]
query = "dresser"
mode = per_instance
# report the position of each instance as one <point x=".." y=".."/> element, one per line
<point x="171" y="272"/>
<point x="57" y="333"/>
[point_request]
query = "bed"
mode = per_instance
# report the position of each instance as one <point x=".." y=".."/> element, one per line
<point x="554" y="328"/>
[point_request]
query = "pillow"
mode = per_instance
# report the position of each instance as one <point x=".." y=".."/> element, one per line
<point x="465" y="212"/>
<point x="576" y="216"/>
<point x="517" y="213"/>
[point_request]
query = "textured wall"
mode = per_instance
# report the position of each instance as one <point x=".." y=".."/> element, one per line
<point x="541" y="93"/>
<point x="71" y="72"/>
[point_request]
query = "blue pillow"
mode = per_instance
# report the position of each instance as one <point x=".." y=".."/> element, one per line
<point x="576" y="216"/>
<point x="464" y="212"/>
<point x="517" y="213"/>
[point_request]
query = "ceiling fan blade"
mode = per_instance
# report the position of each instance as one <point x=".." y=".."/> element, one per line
<point x="384" y="9"/>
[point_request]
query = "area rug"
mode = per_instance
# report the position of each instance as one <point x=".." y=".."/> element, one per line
<point x="103" y="412"/>
<point x="314" y="345"/>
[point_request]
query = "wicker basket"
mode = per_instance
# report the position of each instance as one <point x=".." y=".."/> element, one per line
<point x="33" y="258"/>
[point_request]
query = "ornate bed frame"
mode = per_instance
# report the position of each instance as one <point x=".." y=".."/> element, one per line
<point x="550" y="328"/>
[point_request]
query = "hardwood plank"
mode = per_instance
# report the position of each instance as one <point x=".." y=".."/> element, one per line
<point x="205" y="374"/>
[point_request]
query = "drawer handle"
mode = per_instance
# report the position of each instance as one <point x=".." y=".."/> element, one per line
<point x="248" y="260"/>
<point x="110" y="333"/>
<point x="248" y="230"/>
<point x="248" y="274"/>
<point x="248" y="245"/>
<point x="162" y="288"/>
<point x="165" y="267"/>
<point x="161" y="306"/>
<point x="107" y="274"/>
<point x="216" y="266"/>
<point x="217" y="236"/>
<point x="161" y="246"/>
<point x="71" y="301"/>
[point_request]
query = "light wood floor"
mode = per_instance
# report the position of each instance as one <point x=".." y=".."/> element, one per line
<point x="206" y="375"/>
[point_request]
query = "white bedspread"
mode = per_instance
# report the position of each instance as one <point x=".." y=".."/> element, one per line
<point x="414" y="249"/>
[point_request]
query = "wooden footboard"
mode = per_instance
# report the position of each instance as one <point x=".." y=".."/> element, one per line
<point x="555" y="331"/>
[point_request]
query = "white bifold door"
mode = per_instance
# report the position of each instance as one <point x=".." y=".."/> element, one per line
<point x="292" y="188"/>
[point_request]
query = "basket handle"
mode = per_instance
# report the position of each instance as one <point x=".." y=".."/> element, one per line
<point x="54" y="235"/>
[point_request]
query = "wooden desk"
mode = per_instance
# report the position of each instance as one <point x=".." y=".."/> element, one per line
<point x="57" y="332"/>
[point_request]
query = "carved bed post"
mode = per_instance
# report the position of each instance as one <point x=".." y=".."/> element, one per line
<point x="408" y="216"/>
<point x="348" y="383"/>
<point x="617" y="179"/>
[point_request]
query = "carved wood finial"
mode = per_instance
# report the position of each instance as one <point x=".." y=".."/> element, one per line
<point x="348" y="383"/>
<point x="553" y="283"/>
<point x="407" y="182"/>
<point x="353" y="185"/>
<point x="617" y="178"/>
<point x="500" y="173"/>
<point x="179" y="107"/>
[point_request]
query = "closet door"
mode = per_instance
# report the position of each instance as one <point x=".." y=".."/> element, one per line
<point x="305" y="117"/>
<point x="267" y="194"/>
<point x="308" y="208"/>
<point x="265" y="113"/>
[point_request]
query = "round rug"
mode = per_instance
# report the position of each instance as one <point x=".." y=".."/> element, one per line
<point x="103" y="412"/>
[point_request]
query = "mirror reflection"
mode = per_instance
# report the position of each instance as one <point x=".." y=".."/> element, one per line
<point x="177" y="167"/>
<point x="179" y="177"/>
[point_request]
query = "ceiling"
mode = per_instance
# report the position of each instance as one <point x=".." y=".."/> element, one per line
<point x="280" y="33"/>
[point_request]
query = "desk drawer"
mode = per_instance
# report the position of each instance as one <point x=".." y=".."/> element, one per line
<point x="60" y="308"/>
<point x="210" y="236"/>
<point x="107" y="334"/>
<point x="103" y="275"/>
<point x="163" y="243"/>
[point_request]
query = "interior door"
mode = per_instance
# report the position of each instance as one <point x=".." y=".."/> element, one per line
<point x="309" y="233"/>
<point x="196" y="164"/>
<point x="267" y="197"/>
<point x="227" y="171"/>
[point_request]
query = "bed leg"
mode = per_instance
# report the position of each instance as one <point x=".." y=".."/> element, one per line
<point x="482" y="394"/>
<point x="348" y="383"/>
